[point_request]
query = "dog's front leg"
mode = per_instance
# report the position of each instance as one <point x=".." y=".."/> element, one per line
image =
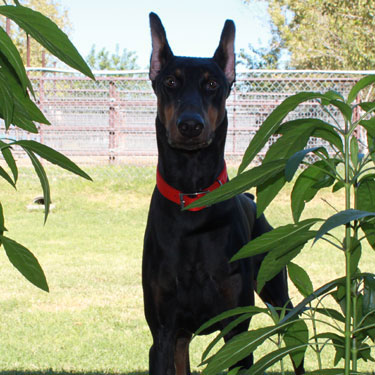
<point x="181" y="355"/>
<point x="162" y="352"/>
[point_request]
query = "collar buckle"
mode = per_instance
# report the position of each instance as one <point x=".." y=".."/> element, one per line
<point x="192" y="196"/>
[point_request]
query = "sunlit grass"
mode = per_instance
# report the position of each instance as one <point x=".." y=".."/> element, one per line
<point x="91" y="249"/>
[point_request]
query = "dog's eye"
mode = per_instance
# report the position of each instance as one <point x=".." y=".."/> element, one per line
<point x="212" y="85"/>
<point x="170" y="82"/>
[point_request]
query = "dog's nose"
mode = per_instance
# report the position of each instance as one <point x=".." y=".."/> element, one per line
<point x="190" y="125"/>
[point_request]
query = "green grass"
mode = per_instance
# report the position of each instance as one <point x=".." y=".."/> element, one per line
<point x="92" y="320"/>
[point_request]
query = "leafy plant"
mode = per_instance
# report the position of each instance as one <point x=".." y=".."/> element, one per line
<point x="18" y="109"/>
<point x="341" y="165"/>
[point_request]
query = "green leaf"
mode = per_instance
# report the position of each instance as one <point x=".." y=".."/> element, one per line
<point x="278" y="258"/>
<point x="320" y="129"/>
<point x="328" y="133"/>
<point x="6" y="177"/>
<point x="364" y="352"/>
<point x="273" y="313"/>
<point x="359" y="309"/>
<point x="345" y="109"/>
<point x="295" y="160"/>
<point x="308" y="183"/>
<point x="224" y="332"/>
<point x="369" y="125"/>
<point x="366" y="202"/>
<point x="337" y="186"/>
<point x="271" y="358"/>
<point x="229" y="314"/>
<point x="10" y="52"/>
<point x="2" y="222"/>
<point x="332" y="95"/>
<point x="284" y="237"/>
<point x="367" y="327"/>
<point x="369" y="294"/>
<point x="240" y="183"/>
<point x="25" y="110"/>
<point x="20" y="120"/>
<point x="371" y="144"/>
<point x="45" y="32"/>
<point x="367" y="106"/>
<point x="234" y="371"/>
<point x="25" y="262"/>
<point x="43" y="181"/>
<point x="354" y="151"/>
<point x="332" y="371"/>
<point x="316" y="294"/>
<point x="337" y="341"/>
<point x="8" y="157"/>
<point x="331" y="313"/>
<point x="52" y="156"/>
<point x="271" y="124"/>
<point x="341" y="218"/>
<point x="339" y="296"/>
<point x="295" y="137"/>
<point x="360" y="85"/>
<point x="267" y="191"/>
<point x="297" y="334"/>
<point x="239" y="347"/>
<point x="6" y="101"/>
<point x="356" y="251"/>
<point x="366" y="194"/>
<point x="300" y="279"/>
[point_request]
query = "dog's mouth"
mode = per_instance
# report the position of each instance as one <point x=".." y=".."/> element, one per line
<point x="190" y="145"/>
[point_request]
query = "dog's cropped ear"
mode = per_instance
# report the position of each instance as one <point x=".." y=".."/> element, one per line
<point x="161" y="52"/>
<point x="224" y="55"/>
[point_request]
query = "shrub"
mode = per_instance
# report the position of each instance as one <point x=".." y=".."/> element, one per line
<point x="341" y="165"/>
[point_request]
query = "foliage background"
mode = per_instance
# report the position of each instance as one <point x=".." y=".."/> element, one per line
<point x="320" y="34"/>
<point x="56" y="12"/>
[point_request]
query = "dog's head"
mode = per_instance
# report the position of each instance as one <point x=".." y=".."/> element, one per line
<point x="191" y="92"/>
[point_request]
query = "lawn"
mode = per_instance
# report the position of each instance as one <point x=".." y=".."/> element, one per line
<point x="92" y="320"/>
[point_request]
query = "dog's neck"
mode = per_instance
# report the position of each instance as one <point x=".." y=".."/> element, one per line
<point x="191" y="171"/>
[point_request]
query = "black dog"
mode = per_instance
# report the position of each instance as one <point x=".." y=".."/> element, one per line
<point x="187" y="277"/>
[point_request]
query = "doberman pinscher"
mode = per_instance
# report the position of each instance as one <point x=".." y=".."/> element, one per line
<point x="187" y="276"/>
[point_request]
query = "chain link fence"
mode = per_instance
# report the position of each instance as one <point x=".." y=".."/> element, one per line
<point x="111" y="120"/>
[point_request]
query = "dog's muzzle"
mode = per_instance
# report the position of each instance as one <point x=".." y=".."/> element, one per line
<point x="190" y="125"/>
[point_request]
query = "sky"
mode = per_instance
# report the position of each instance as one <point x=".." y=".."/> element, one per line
<point x="193" y="27"/>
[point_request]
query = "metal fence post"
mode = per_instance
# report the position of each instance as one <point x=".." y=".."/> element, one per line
<point x="112" y="122"/>
<point x="234" y="118"/>
<point x="40" y="104"/>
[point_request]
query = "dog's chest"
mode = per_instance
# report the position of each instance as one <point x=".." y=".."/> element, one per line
<point x="187" y="263"/>
<point x="196" y="279"/>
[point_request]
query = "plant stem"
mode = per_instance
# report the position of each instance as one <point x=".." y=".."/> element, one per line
<point x="347" y="243"/>
<point x="348" y="286"/>
<point x="317" y="349"/>
<point x="355" y="349"/>
<point x="279" y="342"/>
<point x="355" y="290"/>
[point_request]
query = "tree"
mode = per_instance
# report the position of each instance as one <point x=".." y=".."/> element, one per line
<point x="325" y="34"/>
<point x="102" y="60"/>
<point x="55" y="12"/>
<point x="262" y="58"/>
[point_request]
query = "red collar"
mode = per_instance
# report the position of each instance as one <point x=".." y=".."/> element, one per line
<point x="183" y="199"/>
